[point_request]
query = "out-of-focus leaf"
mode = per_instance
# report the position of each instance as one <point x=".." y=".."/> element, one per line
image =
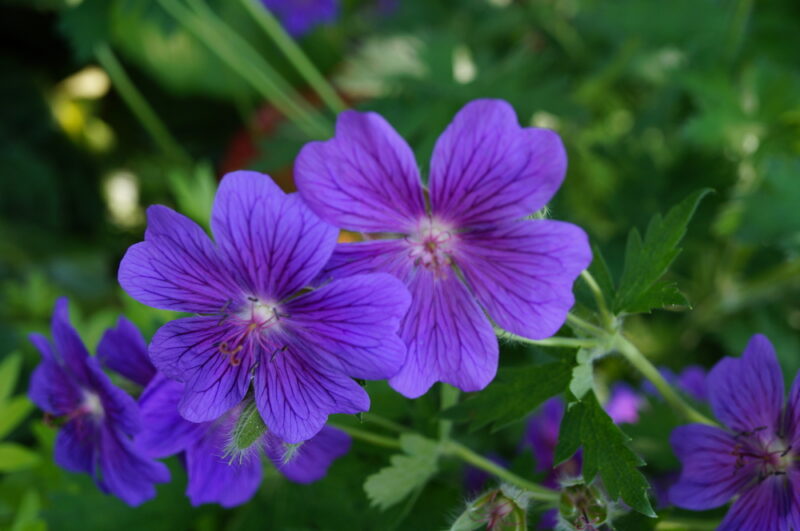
<point x="605" y="452"/>
<point x="408" y="471"/>
<point x="514" y="393"/>
<point x="647" y="261"/>
<point x="9" y="370"/>
<point x="86" y="25"/>
<point x="27" y="518"/>
<point x="770" y="214"/>
<point x="13" y="412"/>
<point x="14" y="457"/>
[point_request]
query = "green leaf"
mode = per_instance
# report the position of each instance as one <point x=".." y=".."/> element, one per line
<point x="14" y="457"/>
<point x="605" y="452"/>
<point x="408" y="471"/>
<point x="513" y="395"/>
<point x="647" y="261"/>
<point x="13" y="412"/>
<point x="85" y="26"/>
<point x="9" y="371"/>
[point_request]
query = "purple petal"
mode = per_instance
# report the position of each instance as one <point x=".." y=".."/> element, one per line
<point x="710" y="475"/>
<point x="522" y="272"/>
<point x="449" y="338"/>
<point x="164" y="432"/>
<point x="311" y="461"/>
<point x="273" y="241"/>
<point x="624" y="404"/>
<point x="351" y="325"/>
<point x="364" y="179"/>
<point x="126" y="473"/>
<point x="772" y="504"/>
<point x="542" y="432"/>
<point x="793" y="413"/>
<point x="298" y="18"/>
<point x="487" y="169"/>
<point x="176" y="267"/>
<point x="693" y="380"/>
<point x="214" y="478"/>
<point x="76" y="445"/>
<point x="188" y="350"/>
<point x="377" y="256"/>
<point x="123" y="349"/>
<point x="747" y="393"/>
<point x="295" y="396"/>
<point x="51" y="388"/>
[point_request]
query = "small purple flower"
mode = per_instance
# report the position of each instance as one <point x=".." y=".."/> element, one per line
<point x="624" y="404"/>
<point x="301" y="349"/>
<point x="754" y="456"/>
<point x="467" y="250"/>
<point x="99" y="417"/>
<point x="214" y="476"/>
<point x="301" y="16"/>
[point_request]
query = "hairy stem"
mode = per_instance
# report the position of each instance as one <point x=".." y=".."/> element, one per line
<point x="536" y="492"/>
<point x="567" y="342"/>
<point x="608" y="318"/>
<point x="367" y="436"/>
<point x="295" y="54"/>
<point x="648" y="370"/>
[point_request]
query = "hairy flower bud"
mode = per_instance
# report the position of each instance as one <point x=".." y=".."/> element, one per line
<point x="582" y="507"/>
<point x="502" y="508"/>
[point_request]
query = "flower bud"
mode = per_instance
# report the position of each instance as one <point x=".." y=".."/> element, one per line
<point x="582" y="507"/>
<point x="503" y="508"/>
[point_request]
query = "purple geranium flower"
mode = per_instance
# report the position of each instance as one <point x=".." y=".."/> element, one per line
<point x="100" y="418"/>
<point x="300" y="348"/>
<point x="215" y="476"/>
<point x="753" y="457"/>
<point x="465" y="252"/>
<point x="301" y="16"/>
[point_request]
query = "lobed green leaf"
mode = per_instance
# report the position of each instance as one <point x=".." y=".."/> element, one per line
<point x="605" y="452"/>
<point x="408" y="471"/>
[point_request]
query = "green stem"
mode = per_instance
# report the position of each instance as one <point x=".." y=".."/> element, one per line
<point x="138" y="104"/>
<point x="585" y="326"/>
<point x="648" y="370"/>
<point x="449" y="398"/>
<point x="608" y="318"/>
<point x="535" y="491"/>
<point x="682" y="524"/>
<point x="568" y="342"/>
<point x="295" y="54"/>
<point x="384" y="422"/>
<point x="366" y="436"/>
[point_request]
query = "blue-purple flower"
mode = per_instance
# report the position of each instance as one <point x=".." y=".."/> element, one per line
<point x="463" y="245"/>
<point x="258" y="323"/>
<point x="299" y="17"/>
<point x="753" y="457"/>
<point x="216" y="475"/>
<point x="99" y="418"/>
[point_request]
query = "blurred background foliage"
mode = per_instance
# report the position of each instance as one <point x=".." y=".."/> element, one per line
<point x="108" y="106"/>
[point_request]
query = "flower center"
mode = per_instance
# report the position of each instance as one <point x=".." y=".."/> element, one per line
<point x="431" y="245"/>
<point x="92" y="404"/>
<point x="250" y="325"/>
<point x="770" y="458"/>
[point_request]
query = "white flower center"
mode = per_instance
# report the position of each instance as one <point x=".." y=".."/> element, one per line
<point x="432" y="245"/>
